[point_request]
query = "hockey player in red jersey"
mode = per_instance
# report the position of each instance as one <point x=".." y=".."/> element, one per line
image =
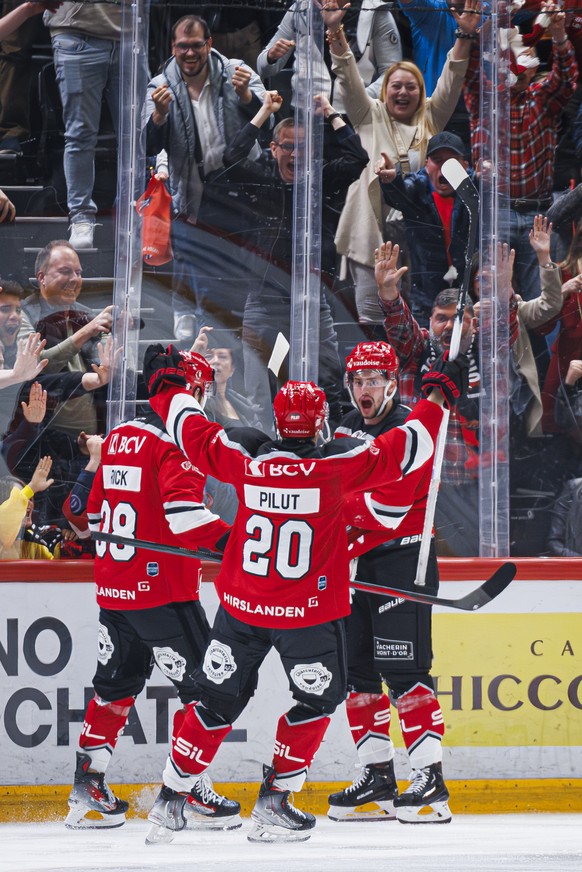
<point x="149" y="608"/>
<point x="284" y="579"/>
<point x="389" y="639"/>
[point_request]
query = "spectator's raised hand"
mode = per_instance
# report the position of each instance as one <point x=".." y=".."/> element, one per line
<point x="7" y="208"/>
<point x="387" y="272"/>
<point x="572" y="286"/>
<point x="557" y="27"/>
<point x="505" y="262"/>
<point x="27" y="364"/>
<point x="35" y="410"/>
<point x="103" y="368"/>
<point x="240" y="82"/>
<point x="539" y="238"/>
<point x="94" y="445"/>
<point x="279" y="49"/>
<point x="574" y="372"/>
<point x="200" y="344"/>
<point x="272" y="102"/>
<point x="332" y="13"/>
<point x="162" y="97"/>
<point x="469" y="18"/>
<point x="385" y="169"/>
<point x="101" y="323"/>
<point x="40" y="480"/>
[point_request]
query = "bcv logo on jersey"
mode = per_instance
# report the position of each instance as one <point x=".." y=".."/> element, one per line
<point x="259" y="469"/>
<point x="126" y="444"/>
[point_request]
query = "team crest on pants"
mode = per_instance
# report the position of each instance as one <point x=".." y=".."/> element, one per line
<point x="173" y="665"/>
<point x="311" y="677"/>
<point x="218" y="662"/>
<point x="105" y="646"/>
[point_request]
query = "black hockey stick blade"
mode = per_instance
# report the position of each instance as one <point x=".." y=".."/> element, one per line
<point x="199" y="554"/>
<point x="472" y="601"/>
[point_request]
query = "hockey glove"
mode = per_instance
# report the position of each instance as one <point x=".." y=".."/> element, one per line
<point x="450" y="377"/>
<point x="161" y="366"/>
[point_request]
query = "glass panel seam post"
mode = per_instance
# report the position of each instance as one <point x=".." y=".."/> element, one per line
<point x="306" y="267"/>
<point x="130" y="182"/>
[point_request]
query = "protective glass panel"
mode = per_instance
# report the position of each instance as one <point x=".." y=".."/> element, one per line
<point x="276" y="176"/>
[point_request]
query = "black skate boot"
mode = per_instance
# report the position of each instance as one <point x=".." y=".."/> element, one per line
<point x="376" y="784"/>
<point x="92" y="794"/>
<point x="201" y="809"/>
<point x="275" y="818"/>
<point x="206" y="809"/>
<point x="425" y="800"/>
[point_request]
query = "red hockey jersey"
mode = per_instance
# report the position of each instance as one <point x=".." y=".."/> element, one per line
<point x="146" y="489"/>
<point x="286" y="562"/>
<point x="392" y="509"/>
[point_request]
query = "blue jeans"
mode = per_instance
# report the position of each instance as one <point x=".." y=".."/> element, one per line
<point x="211" y="277"/>
<point x="264" y="317"/>
<point x="87" y="68"/>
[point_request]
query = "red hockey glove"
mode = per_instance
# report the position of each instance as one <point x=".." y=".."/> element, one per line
<point x="450" y="377"/>
<point x="161" y="367"/>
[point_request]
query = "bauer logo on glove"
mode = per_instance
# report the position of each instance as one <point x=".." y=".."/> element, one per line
<point x="450" y="377"/>
<point x="162" y="366"/>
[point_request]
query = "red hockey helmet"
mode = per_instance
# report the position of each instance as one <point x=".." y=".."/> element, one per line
<point x="374" y="357"/>
<point x="300" y="410"/>
<point x="197" y="372"/>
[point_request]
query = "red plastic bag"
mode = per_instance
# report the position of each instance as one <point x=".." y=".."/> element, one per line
<point x="154" y="206"/>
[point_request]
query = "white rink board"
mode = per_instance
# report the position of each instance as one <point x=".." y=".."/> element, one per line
<point x="38" y="739"/>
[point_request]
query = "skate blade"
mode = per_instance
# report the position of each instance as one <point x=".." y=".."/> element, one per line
<point x="83" y="818"/>
<point x="204" y="822"/>
<point x="268" y="834"/>
<point x="381" y="811"/>
<point x="159" y="835"/>
<point x="437" y="813"/>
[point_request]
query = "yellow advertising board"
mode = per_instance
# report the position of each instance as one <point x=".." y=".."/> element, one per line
<point x="509" y="679"/>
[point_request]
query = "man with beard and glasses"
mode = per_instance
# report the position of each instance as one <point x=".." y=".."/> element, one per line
<point x="194" y="110"/>
<point x="457" y="517"/>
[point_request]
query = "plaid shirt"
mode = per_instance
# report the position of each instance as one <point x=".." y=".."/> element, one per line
<point x="413" y="347"/>
<point x="534" y="118"/>
<point x="415" y="352"/>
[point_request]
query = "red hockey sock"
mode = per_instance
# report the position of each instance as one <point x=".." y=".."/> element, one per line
<point x="369" y="720"/>
<point x="194" y="747"/>
<point x="296" y="744"/>
<point x="104" y="723"/>
<point x="179" y="718"/>
<point x="422" y="725"/>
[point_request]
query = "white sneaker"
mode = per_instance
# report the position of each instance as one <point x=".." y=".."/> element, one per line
<point x="184" y="326"/>
<point x="82" y="234"/>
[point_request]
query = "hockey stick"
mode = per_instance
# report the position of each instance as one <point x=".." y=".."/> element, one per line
<point x="478" y="598"/>
<point x="457" y="177"/>
<point x="200" y="554"/>
<point x="472" y="601"/>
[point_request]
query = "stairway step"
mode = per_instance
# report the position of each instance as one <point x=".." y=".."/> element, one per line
<point x="22" y="195"/>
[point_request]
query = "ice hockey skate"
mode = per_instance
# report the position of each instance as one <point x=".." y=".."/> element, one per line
<point x="201" y="809"/>
<point x="91" y="795"/>
<point x="369" y="798"/>
<point x="275" y="818"/>
<point x="425" y="800"/>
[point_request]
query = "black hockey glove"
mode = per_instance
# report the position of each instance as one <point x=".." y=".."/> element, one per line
<point x="450" y="377"/>
<point x="160" y="367"/>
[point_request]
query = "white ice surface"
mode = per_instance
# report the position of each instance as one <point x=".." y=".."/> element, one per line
<point x="471" y="843"/>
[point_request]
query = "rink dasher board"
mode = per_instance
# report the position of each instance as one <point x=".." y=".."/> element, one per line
<point x="491" y="670"/>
